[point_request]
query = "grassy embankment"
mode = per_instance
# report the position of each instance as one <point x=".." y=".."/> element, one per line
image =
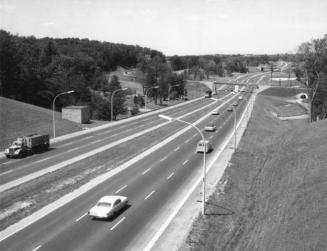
<point x="18" y="119"/>
<point x="273" y="194"/>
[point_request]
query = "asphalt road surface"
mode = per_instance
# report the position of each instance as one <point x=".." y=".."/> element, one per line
<point x="150" y="184"/>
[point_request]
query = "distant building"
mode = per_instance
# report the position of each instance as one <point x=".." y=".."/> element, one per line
<point x="78" y="114"/>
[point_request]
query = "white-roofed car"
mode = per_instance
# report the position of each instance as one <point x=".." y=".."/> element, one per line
<point x="108" y="206"/>
<point x="210" y="128"/>
<point x="215" y="112"/>
<point x="203" y="146"/>
<point x="240" y="97"/>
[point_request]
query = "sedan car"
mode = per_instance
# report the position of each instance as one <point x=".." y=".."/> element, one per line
<point x="108" y="206"/>
<point x="203" y="146"/>
<point x="215" y="112"/>
<point x="230" y="109"/>
<point x="210" y="128"/>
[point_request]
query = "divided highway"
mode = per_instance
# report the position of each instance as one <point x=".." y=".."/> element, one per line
<point x="152" y="184"/>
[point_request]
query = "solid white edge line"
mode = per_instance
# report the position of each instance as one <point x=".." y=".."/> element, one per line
<point x="196" y="184"/>
<point x="120" y="221"/>
<point x="171" y="175"/>
<point x="121" y="189"/>
<point x="79" y="218"/>
<point x="148" y="196"/>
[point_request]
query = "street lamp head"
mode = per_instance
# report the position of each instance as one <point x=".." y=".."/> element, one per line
<point x="165" y="117"/>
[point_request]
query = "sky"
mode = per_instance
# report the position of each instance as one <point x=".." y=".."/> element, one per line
<point x="181" y="27"/>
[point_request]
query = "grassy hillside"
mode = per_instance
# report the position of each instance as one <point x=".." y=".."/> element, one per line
<point x="282" y="92"/>
<point x="19" y="119"/>
<point x="273" y="195"/>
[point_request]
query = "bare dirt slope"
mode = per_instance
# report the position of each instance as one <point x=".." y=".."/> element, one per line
<point x="273" y="195"/>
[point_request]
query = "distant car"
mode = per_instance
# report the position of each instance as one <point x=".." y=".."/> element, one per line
<point x="235" y="104"/>
<point x="215" y="112"/>
<point x="108" y="206"/>
<point x="210" y="128"/>
<point x="203" y="146"/>
<point x="230" y="109"/>
<point x="240" y="97"/>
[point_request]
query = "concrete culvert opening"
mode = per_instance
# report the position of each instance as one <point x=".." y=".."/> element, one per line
<point x="302" y="96"/>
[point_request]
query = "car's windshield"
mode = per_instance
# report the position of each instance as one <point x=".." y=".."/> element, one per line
<point x="104" y="204"/>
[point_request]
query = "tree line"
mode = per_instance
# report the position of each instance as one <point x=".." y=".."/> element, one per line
<point x="311" y="70"/>
<point x="201" y="67"/>
<point x="35" y="70"/>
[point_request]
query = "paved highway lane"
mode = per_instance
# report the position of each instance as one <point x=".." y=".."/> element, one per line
<point x="149" y="183"/>
<point x="77" y="146"/>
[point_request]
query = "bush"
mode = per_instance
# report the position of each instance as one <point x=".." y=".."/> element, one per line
<point x="134" y="111"/>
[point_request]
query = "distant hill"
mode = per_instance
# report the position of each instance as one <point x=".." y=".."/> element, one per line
<point x="19" y="119"/>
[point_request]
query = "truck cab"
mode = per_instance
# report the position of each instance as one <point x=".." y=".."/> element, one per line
<point x="17" y="148"/>
<point x="28" y="145"/>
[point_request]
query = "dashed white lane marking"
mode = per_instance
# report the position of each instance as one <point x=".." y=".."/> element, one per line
<point x="96" y="141"/>
<point x="37" y="248"/>
<point x="211" y="137"/>
<point x="120" y="189"/>
<point x="147" y="170"/>
<point x="6" y="163"/>
<point x="79" y="218"/>
<point x="70" y="143"/>
<point x="187" y="141"/>
<point x="117" y="223"/>
<point x="194" y="135"/>
<point x="42" y="160"/>
<point x="171" y="175"/>
<point x="114" y="135"/>
<point x="185" y="162"/>
<point x="176" y="149"/>
<point x="6" y="172"/>
<point x="163" y="158"/>
<point x="73" y="149"/>
<point x="148" y="196"/>
<point x="67" y="144"/>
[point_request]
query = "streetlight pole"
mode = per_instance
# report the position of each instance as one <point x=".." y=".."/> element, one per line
<point x="53" y="111"/>
<point x="234" y="110"/>
<point x="112" y="103"/>
<point x="204" y="156"/>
